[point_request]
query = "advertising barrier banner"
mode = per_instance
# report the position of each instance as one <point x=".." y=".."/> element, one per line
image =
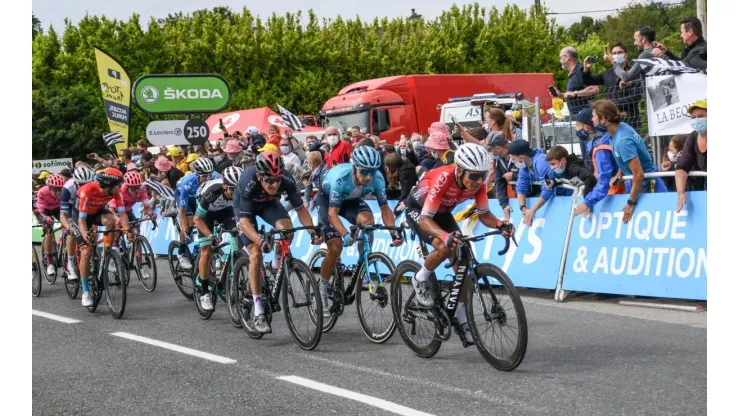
<point x="52" y="165"/>
<point x="658" y="253"/>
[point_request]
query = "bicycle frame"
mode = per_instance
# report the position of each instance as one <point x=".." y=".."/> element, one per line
<point x="190" y="233"/>
<point x="280" y="273"/>
<point x="361" y="233"/>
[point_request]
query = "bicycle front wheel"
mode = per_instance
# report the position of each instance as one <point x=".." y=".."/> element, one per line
<point x="244" y="301"/>
<point x="114" y="283"/>
<point x="373" y="297"/>
<point x="232" y="297"/>
<point x="71" y="286"/>
<point x="496" y="316"/>
<point x="204" y="314"/>
<point x="302" y="306"/>
<point x="335" y="300"/>
<point x="183" y="278"/>
<point x="144" y="263"/>
<point x="36" y="273"/>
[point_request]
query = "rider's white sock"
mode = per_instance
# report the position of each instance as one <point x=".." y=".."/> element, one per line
<point x="460" y="313"/>
<point x="70" y="262"/>
<point x="323" y="287"/>
<point x="258" y="305"/>
<point x="275" y="261"/>
<point x="423" y="274"/>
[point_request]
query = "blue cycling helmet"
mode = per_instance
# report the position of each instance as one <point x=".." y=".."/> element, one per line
<point x="366" y="157"/>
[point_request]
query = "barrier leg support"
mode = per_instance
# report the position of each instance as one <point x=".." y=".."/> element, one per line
<point x="560" y="294"/>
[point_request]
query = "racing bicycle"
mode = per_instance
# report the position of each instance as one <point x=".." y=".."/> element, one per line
<point x="106" y="274"/>
<point x="139" y="256"/>
<point x="36" y="273"/>
<point x="493" y="307"/>
<point x="60" y="257"/>
<point x="183" y="277"/>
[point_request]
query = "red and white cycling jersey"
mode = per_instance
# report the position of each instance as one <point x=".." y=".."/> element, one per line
<point x="92" y="200"/>
<point x="437" y="192"/>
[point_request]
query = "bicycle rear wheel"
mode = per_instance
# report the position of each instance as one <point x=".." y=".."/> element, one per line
<point x="183" y="278"/>
<point x="71" y="286"/>
<point x="144" y="263"/>
<point x="115" y="284"/>
<point x="373" y="308"/>
<point x="415" y="323"/>
<point x="335" y="306"/>
<point x="204" y="314"/>
<point x="36" y="273"/>
<point x="232" y="297"/>
<point x="244" y="301"/>
<point x="301" y="304"/>
<point x="497" y="319"/>
<point x="95" y="285"/>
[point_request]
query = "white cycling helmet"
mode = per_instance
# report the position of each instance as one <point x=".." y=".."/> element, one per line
<point x="473" y="157"/>
<point x="83" y="175"/>
<point x="231" y="176"/>
<point x="202" y="166"/>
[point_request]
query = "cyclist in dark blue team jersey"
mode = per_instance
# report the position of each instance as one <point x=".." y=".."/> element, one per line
<point x="342" y="192"/>
<point x="186" y="191"/>
<point x="68" y="212"/>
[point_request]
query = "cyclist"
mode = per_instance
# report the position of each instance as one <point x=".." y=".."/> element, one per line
<point x="93" y="198"/>
<point x="185" y="197"/>
<point x="260" y="189"/>
<point x="429" y="214"/>
<point x="68" y="212"/>
<point x="47" y="210"/>
<point x="342" y="191"/>
<point x="214" y="205"/>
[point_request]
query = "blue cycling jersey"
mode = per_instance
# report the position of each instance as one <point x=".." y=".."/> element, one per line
<point x="186" y="188"/>
<point x="338" y="185"/>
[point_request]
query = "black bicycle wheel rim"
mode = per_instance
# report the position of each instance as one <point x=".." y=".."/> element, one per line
<point x="315" y="266"/>
<point x="203" y="314"/>
<point x="382" y="329"/>
<point x="401" y="297"/>
<point x="232" y="294"/>
<point x="114" y="284"/>
<point x="183" y="279"/>
<point x="72" y="287"/>
<point x="144" y="256"/>
<point x="500" y="330"/>
<point x="94" y="285"/>
<point x="299" y="287"/>
<point x="36" y="273"/>
<point x="244" y="303"/>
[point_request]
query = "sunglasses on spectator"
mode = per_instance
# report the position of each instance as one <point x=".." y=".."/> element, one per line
<point x="477" y="176"/>
<point x="271" y="180"/>
<point x="367" y="172"/>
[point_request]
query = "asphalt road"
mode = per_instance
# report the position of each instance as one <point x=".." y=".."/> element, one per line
<point x="583" y="358"/>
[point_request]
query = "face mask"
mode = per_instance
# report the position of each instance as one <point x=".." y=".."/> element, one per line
<point x="487" y="127"/>
<point x="619" y="58"/>
<point x="218" y="159"/>
<point x="559" y="170"/>
<point x="402" y="150"/>
<point x="601" y="128"/>
<point x="436" y="155"/>
<point x="582" y="134"/>
<point x="673" y="157"/>
<point x="417" y="146"/>
<point x="332" y="139"/>
<point x="520" y="165"/>
<point x="699" y="125"/>
<point x="285" y="149"/>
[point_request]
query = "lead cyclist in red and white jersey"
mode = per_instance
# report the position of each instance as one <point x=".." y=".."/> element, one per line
<point x="429" y="214"/>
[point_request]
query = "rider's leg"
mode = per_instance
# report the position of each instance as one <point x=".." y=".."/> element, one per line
<point x="204" y="265"/>
<point x="365" y="218"/>
<point x="255" y="282"/>
<point x="48" y="240"/>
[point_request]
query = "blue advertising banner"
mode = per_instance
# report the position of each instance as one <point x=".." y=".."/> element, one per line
<point x="658" y="253"/>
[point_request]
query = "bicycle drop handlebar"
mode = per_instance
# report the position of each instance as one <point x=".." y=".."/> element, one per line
<point x="479" y="237"/>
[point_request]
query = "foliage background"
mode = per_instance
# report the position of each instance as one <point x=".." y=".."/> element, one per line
<point x="300" y="62"/>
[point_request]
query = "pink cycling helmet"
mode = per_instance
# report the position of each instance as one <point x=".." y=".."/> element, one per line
<point x="55" y="180"/>
<point x="132" y="178"/>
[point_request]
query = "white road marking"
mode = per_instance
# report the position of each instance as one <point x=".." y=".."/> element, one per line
<point x="173" y="347"/>
<point x="369" y="400"/>
<point x="54" y="317"/>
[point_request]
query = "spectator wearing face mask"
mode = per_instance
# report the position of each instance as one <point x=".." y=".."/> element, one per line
<point x="318" y="169"/>
<point x="533" y="167"/>
<point x="630" y="153"/>
<point x="670" y="158"/>
<point x="416" y="146"/>
<point x="571" y="167"/>
<point x="289" y="157"/>
<point x="495" y="123"/>
<point x="438" y="153"/>
<point x="694" y="153"/>
<point x="644" y="37"/>
<point x="340" y="151"/>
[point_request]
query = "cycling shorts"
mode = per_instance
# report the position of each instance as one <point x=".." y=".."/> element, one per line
<point x="54" y="213"/>
<point x="445" y="221"/>
<point x="349" y="210"/>
<point x="271" y="212"/>
<point x="225" y="217"/>
<point x="97" y="219"/>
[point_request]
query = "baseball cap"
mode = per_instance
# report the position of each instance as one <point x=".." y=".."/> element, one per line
<point x="192" y="157"/>
<point x="697" y="104"/>
<point x="269" y="147"/>
<point x="174" y="151"/>
<point x="252" y="130"/>
<point x="584" y="116"/>
<point x="494" y="138"/>
<point x="519" y="147"/>
<point x="44" y="174"/>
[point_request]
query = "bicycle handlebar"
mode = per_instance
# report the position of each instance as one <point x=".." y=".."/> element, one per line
<point x="479" y="237"/>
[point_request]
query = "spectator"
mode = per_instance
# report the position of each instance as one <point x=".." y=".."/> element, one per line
<point x="190" y="159"/>
<point x="176" y="155"/>
<point x="505" y="171"/>
<point x="313" y="145"/>
<point x="571" y="167"/>
<point x="576" y="92"/>
<point x="168" y="174"/>
<point x="439" y="152"/>
<point x="356" y="136"/>
<point x="220" y="161"/>
<point x="317" y="169"/>
<point x="289" y="156"/>
<point x="126" y="159"/>
<point x="416" y="144"/>
<point x="695" y="52"/>
<point x="644" y="37"/>
<point x="274" y="138"/>
<point x="249" y="135"/>
<point x="694" y="153"/>
<point x="627" y="99"/>
<point x="341" y="151"/>
<point x="141" y="146"/>
<point x="147" y="165"/>
<point x="377" y="144"/>
<point x="630" y="153"/>
<point x="533" y="166"/>
<point x="670" y="159"/>
<point x="604" y="167"/>
<point x="401" y="178"/>
<point x="258" y="141"/>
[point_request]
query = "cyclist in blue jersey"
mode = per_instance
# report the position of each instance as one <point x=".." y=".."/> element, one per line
<point x="68" y="213"/>
<point x="186" y="191"/>
<point x="342" y="191"/>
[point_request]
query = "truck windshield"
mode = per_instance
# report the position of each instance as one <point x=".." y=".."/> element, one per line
<point x="344" y="121"/>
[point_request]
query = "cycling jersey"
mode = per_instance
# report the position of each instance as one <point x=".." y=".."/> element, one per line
<point x="210" y="197"/>
<point x="338" y="184"/>
<point x="45" y="201"/>
<point x="437" y="192"/>
<point x="69" y="197"/>
<point x="129" y="200"/>
<point x="92" y="200"/>
<point x="187" y="187"/>
<point x="253" y="196"/>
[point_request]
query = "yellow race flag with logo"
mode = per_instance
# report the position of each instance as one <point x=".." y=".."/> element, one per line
<point x="115" y="86"/>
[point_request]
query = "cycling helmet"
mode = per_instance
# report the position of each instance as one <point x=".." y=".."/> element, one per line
<point x="269" y="164"/>
<point x="83" y="174"/>
<point x="132" y="178"/>
<point x="366" y="157"/>
<point x="55" y="180"/>
<point x="471" y="156"/>
<point x="202" y="166"/>
<point x="231" y="176"/>
<point x="109" y="177"/>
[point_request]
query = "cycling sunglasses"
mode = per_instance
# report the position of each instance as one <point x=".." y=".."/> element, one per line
<point x="477" y="176"/>
<point x="271" y="180"/>
<point x="367" y="172"/>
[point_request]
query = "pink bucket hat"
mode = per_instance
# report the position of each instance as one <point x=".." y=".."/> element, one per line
<point x="162" y="164"/>
<point x="437" y="141"/>
<point x="232" y="146"/>
<point x="439" y="127"/>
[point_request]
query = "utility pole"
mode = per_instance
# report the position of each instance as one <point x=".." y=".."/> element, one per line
<point x="701" y="14"/>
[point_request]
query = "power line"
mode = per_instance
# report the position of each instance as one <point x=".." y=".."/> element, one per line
<point x="613" y="10"/>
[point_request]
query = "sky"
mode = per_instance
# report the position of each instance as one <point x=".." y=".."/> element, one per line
<point x="54" y="12"/>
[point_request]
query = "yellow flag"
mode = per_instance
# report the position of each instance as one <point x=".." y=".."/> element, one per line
<point x="115" y="86"/>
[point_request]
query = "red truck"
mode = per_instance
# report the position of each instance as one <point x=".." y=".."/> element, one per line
<point x="400" y="105"/>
